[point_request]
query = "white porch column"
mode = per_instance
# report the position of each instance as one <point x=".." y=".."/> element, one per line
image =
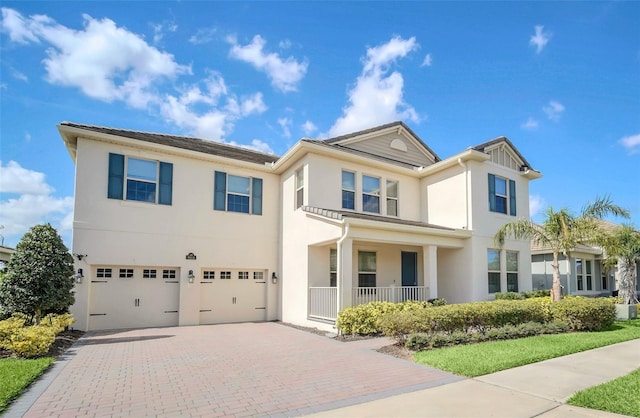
<point x="345" y="273"/>
<point x="430" y="269"/>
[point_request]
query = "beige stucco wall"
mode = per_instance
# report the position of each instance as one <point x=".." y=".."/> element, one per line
<point x="126" y="233"/>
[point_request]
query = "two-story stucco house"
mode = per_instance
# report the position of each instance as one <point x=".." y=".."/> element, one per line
<point x="180" y="231"/>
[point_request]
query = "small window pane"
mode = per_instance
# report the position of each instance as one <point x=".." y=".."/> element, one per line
<point x="258" y="275"/>
<point x="392" y="188"/>
<point x="348" y="200"/>
<point x="208" y="275"/>
<point x="366" y="261"/>
<point x="333" y="259"/>
<point x="501" y="204"/>
<point x="148" y="274"/>
<point x="494" y="282"/>
<point x="141" y="191"/>
<point x="371" y="185"/>
<point x="142" y="169"/>
<point x="512" y="282"/>
<point x="238" y="203"/>
<point x="299" y="178"/>
<point x="512" y="261"/>
<point x="392" y="207"/>
<point x="243" y="275"/>
<point x="348" y="180"/>
<point x="588" y="266"/>
<point x="501" y="186"/>
<point x="493" y="260"/>
<point x="225" y="275"/>
<point x="578" y="266"/>
<point x="238" y="184"/>
<point x="370" y="203"/>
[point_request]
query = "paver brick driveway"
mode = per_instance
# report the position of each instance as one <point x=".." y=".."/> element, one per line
<point x="250" y="369"/>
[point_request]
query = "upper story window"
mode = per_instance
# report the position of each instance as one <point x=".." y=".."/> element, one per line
<point x="348" y="190"/>
<point x="146" y="180"/>
<point x="502" y="195"/>
<point x="370" y="194"/>
<point x="299" y="187"/>
<point x="237" y="193"/>
<point x="392" y="198"/>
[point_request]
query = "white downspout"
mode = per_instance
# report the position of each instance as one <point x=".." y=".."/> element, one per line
<point x="466" y="191"/>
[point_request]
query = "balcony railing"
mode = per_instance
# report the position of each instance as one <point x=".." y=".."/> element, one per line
<point x="323" y="301"/>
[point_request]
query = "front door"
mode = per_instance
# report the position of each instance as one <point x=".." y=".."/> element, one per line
<point x="409" y="268"/>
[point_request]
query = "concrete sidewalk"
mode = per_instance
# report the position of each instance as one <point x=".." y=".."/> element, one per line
<point x="535" y="390"/>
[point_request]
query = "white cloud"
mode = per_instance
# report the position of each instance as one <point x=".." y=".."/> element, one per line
<point x="309" y="127"/>
<point x="530" y="125"/>
<point x="428" y="61"/>
<point x="377" y="96"/>
<point x="285" y="44"/>
<point x="161" y="28"/>
<point x="536" y="204"/>
<point x="33" y="205"/>
<point x="109" y="63"/>
<point x="256" y="145"/>
<point x="16" y="179"/>
<point x="631" y="143"/>
<point x="284" y="74"/>
<point x="540" y="39"/>
<point x="19" y="76"/>
<point x="553" y="110"/>
<point x="285" y="124"/>
<point x="203" y="36"/>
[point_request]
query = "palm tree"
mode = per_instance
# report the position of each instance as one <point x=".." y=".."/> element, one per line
<point x="622" y="249"/>
<point x="562" y="232"/>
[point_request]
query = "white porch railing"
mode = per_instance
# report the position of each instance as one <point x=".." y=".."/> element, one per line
<point x="323" y="301"/>
<point x="363" y="295"/>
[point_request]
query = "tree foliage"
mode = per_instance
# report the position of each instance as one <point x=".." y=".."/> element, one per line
<point x="622" y="250"/>
<point x="39" y="275"/>
<point x="562" y="232"/>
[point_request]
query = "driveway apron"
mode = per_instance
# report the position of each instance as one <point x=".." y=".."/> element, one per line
<point x="249" y="369"/>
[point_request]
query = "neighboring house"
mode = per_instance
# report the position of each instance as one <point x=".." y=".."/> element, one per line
<point x="5" y="255"/>
<point x="587" y="275"/>
<point x="180" y="231"/>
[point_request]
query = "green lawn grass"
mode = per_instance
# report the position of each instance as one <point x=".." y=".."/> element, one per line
<point x="489" y="357"/>
<point x="17" y="374"/>
<point x="620" y="396"/>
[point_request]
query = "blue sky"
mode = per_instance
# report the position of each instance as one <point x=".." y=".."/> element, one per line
<point x="560" y="80"/>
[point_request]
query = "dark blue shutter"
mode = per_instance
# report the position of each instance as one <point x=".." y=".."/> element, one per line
<point x="492" y="192"/>
<point x="256" y="196"/>
<point x="512" y="198"/>
<point x="220" y="191"/>
<point x="115" y="187"/>
<point x="166" y="184"/>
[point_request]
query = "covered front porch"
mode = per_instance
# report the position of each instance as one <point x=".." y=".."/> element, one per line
<point x="377" y="260"/>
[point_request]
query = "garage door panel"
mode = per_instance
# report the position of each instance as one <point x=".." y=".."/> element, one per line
<point x="232" y="299"/>
<point x="133" y="301"/>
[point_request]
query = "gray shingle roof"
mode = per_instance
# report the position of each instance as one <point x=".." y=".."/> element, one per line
<point x="184" y="142"/>
<point x="484" y="145"/>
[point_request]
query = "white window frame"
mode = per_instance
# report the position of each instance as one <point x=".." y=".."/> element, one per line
<point x="373" y="272"/>
<point x="243" y="275"/>
<point x="333" y="267"/>
<point x="225" y="275"/>
<point x="125" y="273"/>
<point x="104" y="272"/>
<point x="516" y="271"/>
<point x="149" y="273"/>
<point x="258" y="275"/>
<point x="347" y="190"/>
<point x="169" y="273"/>
<point x="208" y="275"/>
<point x="494" y="271"/>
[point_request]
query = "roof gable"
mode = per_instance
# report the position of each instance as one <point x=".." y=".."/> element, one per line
<point x="504" y="153"/>
<point x="394" y="141"/>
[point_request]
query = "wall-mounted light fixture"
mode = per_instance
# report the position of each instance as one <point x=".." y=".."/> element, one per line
<point x="78" y="276"/>
<point x="79" y="256"/>
<point x="274" y="278"/>
<point x="191" y="276"/>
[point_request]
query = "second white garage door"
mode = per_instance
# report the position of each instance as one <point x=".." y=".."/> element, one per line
<point x="232" y="296"/>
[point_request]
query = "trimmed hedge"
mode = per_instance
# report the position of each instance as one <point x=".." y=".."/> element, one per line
<point x="523" y="295"/>
<point x="25" y="340"/>
<point x="400" y="320"/>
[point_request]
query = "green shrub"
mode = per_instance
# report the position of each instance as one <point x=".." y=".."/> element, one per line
<point x="536" y="293"/>
<point x="437" y="302"/>
<point x="418" y="342"/>
<point x="584" y="314"/>
<point x="25" y="340"/>
<point x="32" y="341"/>
<point x="364" y="319"/>
<point x="508" y="296"/>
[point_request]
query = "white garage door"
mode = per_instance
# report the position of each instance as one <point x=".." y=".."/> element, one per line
<point x="128" y="297"/>
<point x="232" y="296"/>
